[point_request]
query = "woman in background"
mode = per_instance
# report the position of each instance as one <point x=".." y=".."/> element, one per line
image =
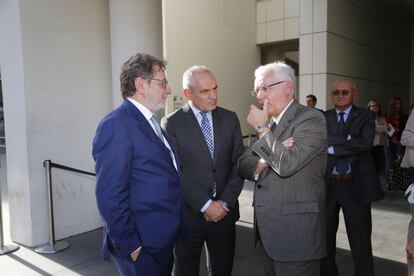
<point x="380" y="138"/>
<point x="397" y="118"/>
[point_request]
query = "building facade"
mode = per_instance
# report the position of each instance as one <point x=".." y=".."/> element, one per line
<point x="60" y="63"/>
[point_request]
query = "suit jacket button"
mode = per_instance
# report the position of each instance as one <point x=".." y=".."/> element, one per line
<point x="259" y="186"/>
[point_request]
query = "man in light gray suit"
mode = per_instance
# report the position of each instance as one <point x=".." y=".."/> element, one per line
<point x="288" y="164"/>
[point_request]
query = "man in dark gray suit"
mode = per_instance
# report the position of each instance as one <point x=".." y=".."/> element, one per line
<point x="208" y="139"/>
<point x="288" y="164"/>
<point x="351" y="180"/>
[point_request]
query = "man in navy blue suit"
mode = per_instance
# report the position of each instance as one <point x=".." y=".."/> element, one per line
<point x="137" y="171"/>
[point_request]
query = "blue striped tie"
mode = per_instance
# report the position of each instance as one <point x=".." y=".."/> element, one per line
<point x="208" y="136"/>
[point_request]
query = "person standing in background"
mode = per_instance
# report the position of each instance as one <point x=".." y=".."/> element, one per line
<point x="311" y="102"/>
<point x="397" y="118"/>
<point x="351" y="181"/>
<point x="137" y="174"/>
<point x="209" y="141"/>
<point x="380" y="137"/>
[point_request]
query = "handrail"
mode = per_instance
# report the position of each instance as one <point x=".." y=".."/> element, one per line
<point x="52" y="246"/>
<point x="249" y="137"/>
<point x="66" y="168"/>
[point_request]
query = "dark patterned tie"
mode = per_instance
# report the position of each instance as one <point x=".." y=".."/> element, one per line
<point x="341" y="164"/>
<point x="273" y="127"/>
<point x="208" y="136"/>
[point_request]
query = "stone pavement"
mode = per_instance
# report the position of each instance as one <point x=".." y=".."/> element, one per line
<point x="390" y="220"/>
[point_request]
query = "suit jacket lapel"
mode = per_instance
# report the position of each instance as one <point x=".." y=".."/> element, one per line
<point x="177" y="159"/>
<point x="144" y="125"/>
<point x="139" y="117"/>
<point x="353" y="114"/>
<point x="217" y="130"/>
<point x="332" y="120"/>
<point x="288" y="116"/>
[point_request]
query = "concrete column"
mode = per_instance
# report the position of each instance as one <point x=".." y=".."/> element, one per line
<point x="11" y="63"/>
<point x="136" y="26"/>
<point x="313" y="51"/>
<point x="55" y="66"/>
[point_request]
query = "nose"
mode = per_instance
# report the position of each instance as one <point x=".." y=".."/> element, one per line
<point x="212" y="93"/>
<point x="260" y="97"/>
<point x="168" y="89"/>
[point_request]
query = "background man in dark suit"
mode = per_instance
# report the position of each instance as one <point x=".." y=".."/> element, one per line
<point x="208" y="139"/>
<point x="138" y="185"/>
<point x="311" y="102"/>
<point x="351" y="179"/>
<point x="288" y="163"/>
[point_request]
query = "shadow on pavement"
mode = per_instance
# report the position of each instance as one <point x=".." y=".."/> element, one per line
<point x="83" y="257"/>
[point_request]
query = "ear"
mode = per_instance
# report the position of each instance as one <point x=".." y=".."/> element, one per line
<point x="289" y="87"/>
<point x="187" y="93"/>
<point x="139" y="85"/>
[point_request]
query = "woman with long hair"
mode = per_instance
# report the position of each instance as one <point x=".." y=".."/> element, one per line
<point x="397" y="118"/>
<point x="380" y="138"/>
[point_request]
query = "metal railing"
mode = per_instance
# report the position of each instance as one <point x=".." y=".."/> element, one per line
<point x="249" y="138"/>
<point x="54" y="246"/>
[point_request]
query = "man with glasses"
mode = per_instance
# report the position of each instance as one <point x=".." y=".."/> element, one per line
<point x="288" y="164"/>
<point x="208" y="139"/>
<point x="137" y="174"/>
<point x="351" y="179"/>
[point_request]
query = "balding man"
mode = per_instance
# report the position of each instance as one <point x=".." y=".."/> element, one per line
<point x="352" y="182"/>
<point x="209" y="143"/>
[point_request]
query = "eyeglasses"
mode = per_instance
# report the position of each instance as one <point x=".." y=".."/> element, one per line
<point x="163" y="83"/>
<point x="343" y="92"/>
<point x="264" y="88"/>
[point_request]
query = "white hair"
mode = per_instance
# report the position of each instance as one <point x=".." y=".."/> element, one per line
<point x="281" y="70"/>
<point x="188" y="75"/>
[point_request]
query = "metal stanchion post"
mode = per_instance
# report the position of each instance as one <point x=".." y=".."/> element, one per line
<point x="4" y="249"/>
<point x="52" y="246"/>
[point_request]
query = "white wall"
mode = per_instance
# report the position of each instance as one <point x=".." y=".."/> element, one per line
<point x="366" y="42"/>
<point x="62" y="80"/>
<point x="136" y="26"/>
<point x="220" y="35"/>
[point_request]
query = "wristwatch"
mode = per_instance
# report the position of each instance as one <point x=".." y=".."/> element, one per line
<point x="261" y="128"/>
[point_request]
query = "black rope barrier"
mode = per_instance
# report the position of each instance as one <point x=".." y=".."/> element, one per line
<point x="66" y="168"/>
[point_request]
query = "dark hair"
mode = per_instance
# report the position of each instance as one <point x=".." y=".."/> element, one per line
<point x="391" y="109"/>
<point x="139" y="65"/>
<point x="311" y="96"/>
